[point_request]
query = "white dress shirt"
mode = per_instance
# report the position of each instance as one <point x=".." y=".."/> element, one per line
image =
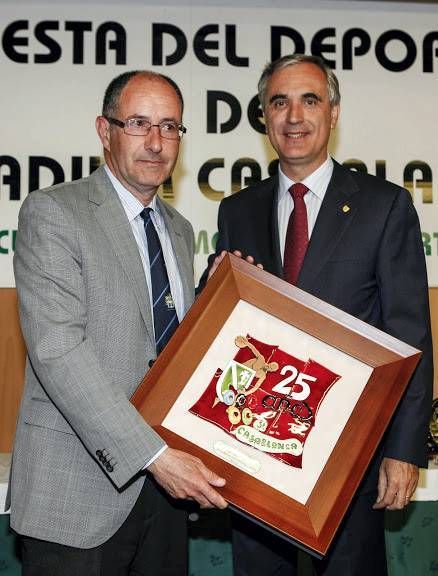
<point x="133" y="209"/>
<point x="317" y="184"/>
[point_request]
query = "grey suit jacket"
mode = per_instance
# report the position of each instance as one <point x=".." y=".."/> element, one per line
<point x="86" y="320"/>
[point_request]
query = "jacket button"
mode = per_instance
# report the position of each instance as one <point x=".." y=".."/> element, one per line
<point x="151" y="362"/>
<point x="99" y="453"/>
<point x="109" y="467"/>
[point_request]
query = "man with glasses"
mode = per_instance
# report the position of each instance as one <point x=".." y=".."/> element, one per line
<point x="104" y="273"/>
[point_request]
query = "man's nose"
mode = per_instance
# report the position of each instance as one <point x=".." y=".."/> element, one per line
<point x="153" y="140"/>
<point x="295" y="112"/>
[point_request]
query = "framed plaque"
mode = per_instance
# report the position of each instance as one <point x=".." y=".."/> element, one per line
<point x="280" y="393"/>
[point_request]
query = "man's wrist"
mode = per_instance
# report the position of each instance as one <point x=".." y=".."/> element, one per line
<point x="154" y="457"/>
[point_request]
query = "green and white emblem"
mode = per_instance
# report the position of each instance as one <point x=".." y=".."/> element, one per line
<point x="235" y="379"/>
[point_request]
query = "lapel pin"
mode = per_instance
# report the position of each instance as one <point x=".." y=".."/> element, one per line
<point x="345" y="208"/>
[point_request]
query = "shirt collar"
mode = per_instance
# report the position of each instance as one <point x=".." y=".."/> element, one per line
<point x="132" y="206"/>
<point x="316" y="182"/>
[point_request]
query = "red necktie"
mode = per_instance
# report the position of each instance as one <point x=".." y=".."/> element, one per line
<point x="297" y="235"/>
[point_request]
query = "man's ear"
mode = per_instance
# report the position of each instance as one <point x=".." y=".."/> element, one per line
<point x="334" y="112"/>
<point x="103" y="131"/>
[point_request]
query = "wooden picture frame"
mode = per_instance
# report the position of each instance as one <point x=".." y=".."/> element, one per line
<point x="376" y="369"/>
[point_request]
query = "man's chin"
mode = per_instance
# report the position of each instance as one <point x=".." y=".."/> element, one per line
<point x="297" y="158"/>
<point x="295" y="151"/>
<point x="152" y="177"/>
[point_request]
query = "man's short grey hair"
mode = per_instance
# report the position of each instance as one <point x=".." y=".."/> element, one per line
<point x="292" y="60"/>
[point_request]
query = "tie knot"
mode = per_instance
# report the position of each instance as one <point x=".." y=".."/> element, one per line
<point x="298" y="190"/>
<point x="146" y="213"/>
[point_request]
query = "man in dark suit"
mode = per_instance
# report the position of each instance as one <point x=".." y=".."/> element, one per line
<point x="354" y="241"/>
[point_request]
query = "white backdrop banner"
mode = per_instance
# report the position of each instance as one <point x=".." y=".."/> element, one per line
<point x="56" y="61"/>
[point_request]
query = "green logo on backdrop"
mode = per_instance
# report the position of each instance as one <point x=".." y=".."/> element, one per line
<point x="430" y="243"/>
<point x="7" y="241"/>
<point x="205" y="242"/>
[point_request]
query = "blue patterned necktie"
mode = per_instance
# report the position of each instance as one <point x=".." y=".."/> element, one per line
<point x="165" y="318"/>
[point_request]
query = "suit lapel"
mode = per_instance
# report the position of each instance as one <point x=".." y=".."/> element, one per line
<point x="112" y="219"/>
<point x="263" y="222"/>
<point x="275" y="239"/>
<point x="335" y="216"/>
<point x="184" y="259"/>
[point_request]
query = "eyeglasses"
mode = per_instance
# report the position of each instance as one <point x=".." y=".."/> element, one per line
<point x="141" y="127"/>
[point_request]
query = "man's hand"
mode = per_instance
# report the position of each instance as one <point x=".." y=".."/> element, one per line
<point x="184" y="476"/>
<point x="221" y="256"/>
<point x="397" y="483"/>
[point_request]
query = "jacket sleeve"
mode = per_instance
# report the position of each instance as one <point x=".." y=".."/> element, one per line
<point x="402" y="280"/>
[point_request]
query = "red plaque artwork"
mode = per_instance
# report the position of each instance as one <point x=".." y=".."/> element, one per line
<point x="311" y="407"/>
<point x="266" y="398"/>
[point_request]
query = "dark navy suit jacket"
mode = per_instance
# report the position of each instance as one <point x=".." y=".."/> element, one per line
<point x="367" y="260"/>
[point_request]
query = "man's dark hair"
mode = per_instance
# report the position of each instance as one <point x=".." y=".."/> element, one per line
<point x="116" y="86"/>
